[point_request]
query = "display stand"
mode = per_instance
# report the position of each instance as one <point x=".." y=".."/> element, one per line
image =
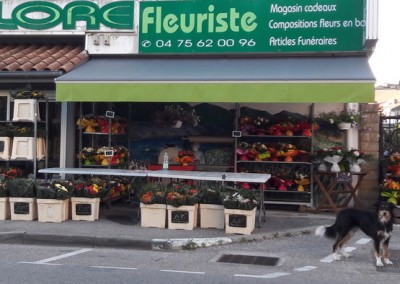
<point x="337" y="190"/>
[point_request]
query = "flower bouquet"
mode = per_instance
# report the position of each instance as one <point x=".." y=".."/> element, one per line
<point x="153" y="193"/>
<point x="393" y="163"/>
<point x="3" y="188"/>
<point x="211" y="194"/>
<point x="59" y="190"/>
<point x="27" y="94"/>
<point x="355" y="158"/>
<point x="301" y="179"/>
<point x="118" y="188"/>
<point x="243" y="199"/>
<point x="88" y="123"/>
<point x="390" y="189"/>
<point x="95" y="189"/>
<point x="88" y="154"/>
<point x="20" y="187"/>
<point x="182" y="193"/>
<point x="185" y="158"/>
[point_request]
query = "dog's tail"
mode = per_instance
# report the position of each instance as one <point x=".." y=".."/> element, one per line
<point x="328" y="232"/>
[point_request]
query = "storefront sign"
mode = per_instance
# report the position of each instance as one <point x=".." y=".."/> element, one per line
<point x="251" y="26"/>
<point x="44" y="15"/>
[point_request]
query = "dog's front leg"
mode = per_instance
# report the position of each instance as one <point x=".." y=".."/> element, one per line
<point x="377" y="253"/>
<point x="386" y="252"/>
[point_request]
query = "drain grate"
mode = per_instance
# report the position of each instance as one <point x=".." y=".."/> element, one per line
<point x="249" y="259"/>
<point x="394" y="256"/>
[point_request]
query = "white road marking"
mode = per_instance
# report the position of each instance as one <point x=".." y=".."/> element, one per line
<point x="26" y="262"/>
<point x="305" y="268"/>
<point x="181" y="271"/>
<point x="349" y="249"/>
<point x="46" y="260"/>
<point x="363" y="241"/>
<point x="114" y="267"/>
<point x="265" y="276"/>
<point x="328" y="259"/>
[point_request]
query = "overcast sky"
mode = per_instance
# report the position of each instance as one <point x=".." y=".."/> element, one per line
<point x="385" y="62"/>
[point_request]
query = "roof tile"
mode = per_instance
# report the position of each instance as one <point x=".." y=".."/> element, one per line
<point x="53" y="57"/>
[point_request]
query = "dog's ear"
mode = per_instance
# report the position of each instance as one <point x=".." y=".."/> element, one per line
<point x="391" y="205"/>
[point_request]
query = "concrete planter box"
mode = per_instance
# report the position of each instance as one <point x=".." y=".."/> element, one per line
<point x="85" y="209"/>
<point x="153" y="215"/>
<point x="240" y="221"/>
<point x="24" y="109"/>
<point x="23" y="209"/>
<point x="6" y="151"/>
<point x="53" y="210"/>
<point x="5" y="212"/>
<point x="212" y="216"/>
<point x="182" y="217"/>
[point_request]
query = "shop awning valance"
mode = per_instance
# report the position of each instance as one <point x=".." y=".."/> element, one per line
<point x="316" y="79"/>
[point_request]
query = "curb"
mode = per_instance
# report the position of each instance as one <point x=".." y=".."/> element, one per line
<point x="22" y="237"/>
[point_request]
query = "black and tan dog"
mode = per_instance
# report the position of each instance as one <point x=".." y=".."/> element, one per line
<point x="378" y="225"/>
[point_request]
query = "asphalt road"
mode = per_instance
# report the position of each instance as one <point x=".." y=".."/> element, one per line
<point x="301" y="259"/>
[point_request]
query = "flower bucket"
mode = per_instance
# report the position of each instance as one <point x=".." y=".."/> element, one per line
<point x="344" y="125"/>
<point x="153" y="215"/>
<point x="355" y="168"/>
<point x="240" y="221"/>
<point x="334" y="160"/>
<point x="24" y="109"/>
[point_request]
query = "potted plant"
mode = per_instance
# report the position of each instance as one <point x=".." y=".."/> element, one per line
<point x="22" y="199"/>
<point x="182" y="200"/>
<point x="86" y="199"/>
<point x="153" y="208"/>
<point x="53" y="200"/>
<point x="355" y="158"/>
<point x="344" y="119"/>
<point x="240" y="211"/>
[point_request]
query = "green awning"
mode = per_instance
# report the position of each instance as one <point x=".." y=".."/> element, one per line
<point x="264" y="80"/>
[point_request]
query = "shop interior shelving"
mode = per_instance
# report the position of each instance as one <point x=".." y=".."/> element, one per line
<point x="271" y="194"/>
<point x="35" y="121"/>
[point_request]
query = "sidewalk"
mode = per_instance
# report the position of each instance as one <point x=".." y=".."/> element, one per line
<point x="118" y="227"/>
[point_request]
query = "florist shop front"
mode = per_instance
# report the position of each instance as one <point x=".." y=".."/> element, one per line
<point x="225" y="62"/>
